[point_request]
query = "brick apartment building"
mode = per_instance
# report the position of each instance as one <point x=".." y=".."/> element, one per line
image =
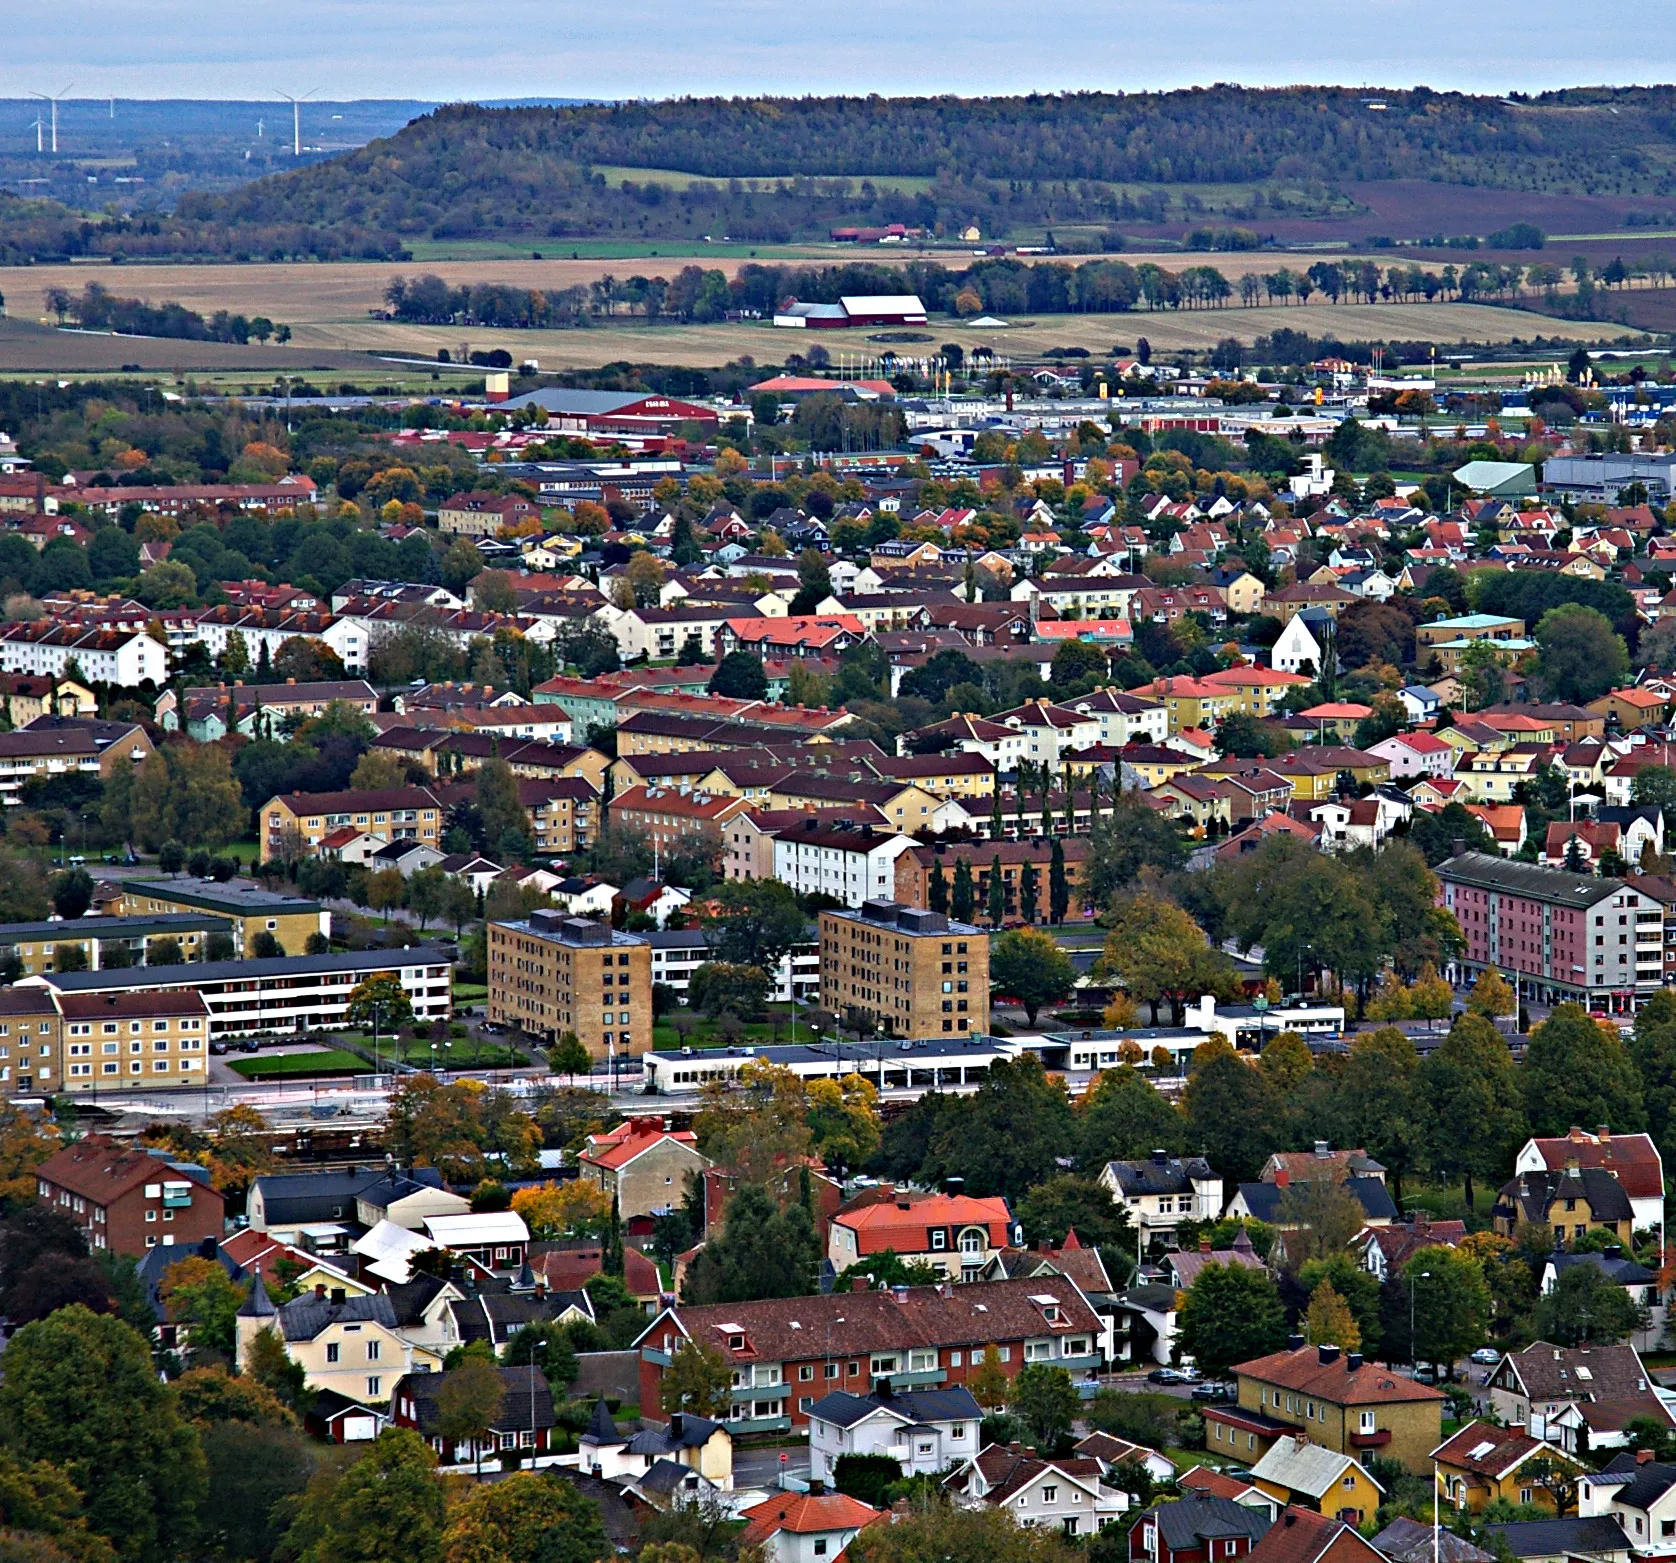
<point x="786" y="1353"/>
<point x="551" y="974"/>
<point x="916" y="973"/>
<point x="129" y="1198"/>
<point x="390" y="814"/>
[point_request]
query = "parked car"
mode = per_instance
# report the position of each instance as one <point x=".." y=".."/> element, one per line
<point x="1165" y="1376"/>
<point x="1213" y="1392"/>
<point x="1426" y="1373"/>
<point x="1487" y="1355"/>
<point x="250" y="1045"/>
<point x="219" y="1046"/>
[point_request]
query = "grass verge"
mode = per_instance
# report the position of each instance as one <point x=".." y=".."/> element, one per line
<point x="333" y="1061"/>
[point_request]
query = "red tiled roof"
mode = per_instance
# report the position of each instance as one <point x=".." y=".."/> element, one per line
<point x="1632" y="1159"/>
<point x="629" y="1140"/>
<point x="807" y="1514"/>
<point x="1302" y="1536"/>
<point x="1335" y="1382"/>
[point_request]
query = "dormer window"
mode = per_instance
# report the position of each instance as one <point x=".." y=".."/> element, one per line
<point x="736" y="1342"/>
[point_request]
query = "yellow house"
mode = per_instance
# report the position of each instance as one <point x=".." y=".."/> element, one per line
<point x="348" y="1343"/>
<point x="1243" y="593"/>
<point x="1259" y="691"/>
<point x="1313" y="772"/>
<point x="1342" y="1402"/>
<point x="1491" y="778"/>
<point x="1155" y="764"/>
<point x="1191" y="702"/>
<point x="1307" y="1475"/>
<point x="1484" y="1463"/>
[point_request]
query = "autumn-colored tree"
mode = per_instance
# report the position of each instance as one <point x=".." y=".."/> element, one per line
<point x="380" y="1001"/>
<point x="25" y="1142"/>
<point x="556" y="1210"/>
<point x="385" y="891"/>
<point x="988" y="1381"/>
<point x="697" y="1379"/>
<point x="1329" y="1321"/>
<point x="1492" y="996"/>
<point x="528" y="1518"/>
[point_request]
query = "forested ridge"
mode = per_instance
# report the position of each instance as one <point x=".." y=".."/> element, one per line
<point x="775" y="169"/>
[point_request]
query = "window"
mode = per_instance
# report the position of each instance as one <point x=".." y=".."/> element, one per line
<point x="372" y="1351"/>
<point x="939" y="1240"/>
<point x="1050" y="1494"/>
<point x="831" y="1370"/>
<point x="331" y="1351"/>
<point x="820" y="1546"/>
<point x="805" y="1373"/>
<point x="374" y="1388"/>
<point x="1367" y="1421"/>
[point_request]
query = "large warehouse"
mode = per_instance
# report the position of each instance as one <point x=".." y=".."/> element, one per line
<point x="856" y="309"/>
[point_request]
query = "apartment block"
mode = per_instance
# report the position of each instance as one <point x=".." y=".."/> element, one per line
<point x="108" y="941"/>
<point x="134" y="1041"/>
<point x="916" y="973"/>
<point x="390" y="813"/>
<point x="247" y="907"/>
<point x="129" y="1198"/>
<point x="552" y="973"/>
<point x="29" y="1043"/>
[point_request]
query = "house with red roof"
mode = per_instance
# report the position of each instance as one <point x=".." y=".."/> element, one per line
<point x="1505" y="822"/>
<point x="958" y="1234"/>
<point x="811" y="1527"/>
<point x="1065" y="1494"/>
<point x="644" y="1165"/>
<point x="1303" y="1536"/>
<point x="1632" y="1159"/>
<point x="1415" y="754"/>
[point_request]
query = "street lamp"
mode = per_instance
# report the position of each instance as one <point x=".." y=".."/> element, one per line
<point x="1423" y="1275"/>
<point x="448" y="1043"/>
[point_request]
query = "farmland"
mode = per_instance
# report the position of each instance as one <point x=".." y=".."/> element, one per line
<point x="331" y="310"/>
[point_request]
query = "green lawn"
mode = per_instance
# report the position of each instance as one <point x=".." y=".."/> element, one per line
<point x="707" y="1033"/>
<point x="466" y="1052"/>
<point x="470" y="992"/>
<point x="333" y="1061"/>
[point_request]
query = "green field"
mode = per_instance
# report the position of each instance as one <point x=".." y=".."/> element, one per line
<point x="332" y="1061"/>
<point x="707" y="1033"/>
<point x="463" y="1053"/>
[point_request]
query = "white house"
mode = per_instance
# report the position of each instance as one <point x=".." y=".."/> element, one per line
<point x="1050" y="730"/>
<point x="851" y="865"/>
<point x="109" y="656"/>
<point x="1632" y="1159"/>
<point x="1163" y="1191"/>
<point x="1125" y="718"/>
<point x="924" y="1431"/>
<point x="807" y="1527"/>
<point x="1641" y="1498"/>
<point x="1298" y="644"/>
<point x="1064" y="1495"/>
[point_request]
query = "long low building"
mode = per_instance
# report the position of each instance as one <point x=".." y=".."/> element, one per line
<point x="128" y="939"/>
<point x="291" y="995"/>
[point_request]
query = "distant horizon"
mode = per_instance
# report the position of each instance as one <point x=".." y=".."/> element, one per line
<point x="432" y="52"/>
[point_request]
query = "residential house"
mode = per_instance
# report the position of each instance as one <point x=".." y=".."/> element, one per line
<point x="695" y="1443"/>
<point x="1632" y="1159"/>
<point x="1415" y="754"/>
<point x="1598" y="1538"/>
<point x="1199" y="1528"/>
<point x="1567" y="1203"/>
<point x="128" y="1198"/>
<point x="1158" y="1194"/>
<point x="925" y="1430"/>
<point x="1060" y="1494"/>
<point x="1296" y="1471"/>
<point x="1640" y="1494"/>
<point x="350" y="1344"/>
<point x="1301" y="1536"/>
<point x="642" y="1164"/>
<point x="1575" y="1396"/>
<point x="951" y="1232"/>
<point x="1486" y="1463"/>
<point x="1337" y="1399"/>
<point x="811" y="1527"/>
<point x="523" y="1425"/>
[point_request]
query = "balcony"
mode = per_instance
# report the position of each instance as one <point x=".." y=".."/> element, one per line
<point x="651" y="1354"/>
<point x="760" y="1391"/>
<point x="918" y="1378"/>
<point x="759" y="1424"/>
<point x="1374" y="1440"/>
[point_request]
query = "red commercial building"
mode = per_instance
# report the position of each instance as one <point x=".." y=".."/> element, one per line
<point x="129" y="1198"/>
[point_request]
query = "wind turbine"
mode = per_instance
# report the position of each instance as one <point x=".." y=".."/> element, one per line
<point x="38" y="127"/>
<point x="53" y="100"/>
<point x="296" y="119"/>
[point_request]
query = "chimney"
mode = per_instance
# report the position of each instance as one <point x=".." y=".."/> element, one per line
<point x="954" y="1187"/>
<point x="339" y="1296"/>
<point x="1282" y="1177"/>
<point x="1204" y="1245"/>
<point x="319" y="1292"/>
<point x="817" y="1488"/>
<point x="1160" y="1158"/>
<point x="1352" y="1361"/>
<point x="1460" y="847"/>
<point x="882" y="1387"/>
<point x="1294" y="1343"/>
<point x="1327" y="1354"/>
<point x="1323" y="1148"/>
<point x="675" y="1424"/>
<point x="858" y="1283"/>
<point x="1015" y="1447"/>
<point x="1644" y="1456"/>
<point x="899" y="1293"/>
<point x="1604" y="1135"/>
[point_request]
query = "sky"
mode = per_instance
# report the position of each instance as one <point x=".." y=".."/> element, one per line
<point x="443" y="50"/>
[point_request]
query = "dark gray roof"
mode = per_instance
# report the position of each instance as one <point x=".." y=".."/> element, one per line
<point x="497" y="1316"/>
<point x="923" y="1405"/>
<point x="1556" y="1538"/>
<point x="197" y="972"/>
<point x="294" y="1197"/>
<point x="1532" y="1193"/>
<point x="1648" y="1483"/>
<point x="1174" y="1175"/>
<point x="412" y="1297"/>
<point x="523" y="1389"/>
<point x="1190" y="1522"/>
<point x="157" y="1261"/>
<point x="696" y="1431"/>
<point x="1408" y="1541"/>
<point x="238" y="896"/>
<point x="601" y="1429"/>
<point x="1615" y="1267"/>
<point x="1554" y="885"/>
<point x="666" y="1477"/>
<point x="1264" y="1199"/>
<point x="258" y="1305"/>
<point x="114" y="927"/>
<point x="305" y="1317"/>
